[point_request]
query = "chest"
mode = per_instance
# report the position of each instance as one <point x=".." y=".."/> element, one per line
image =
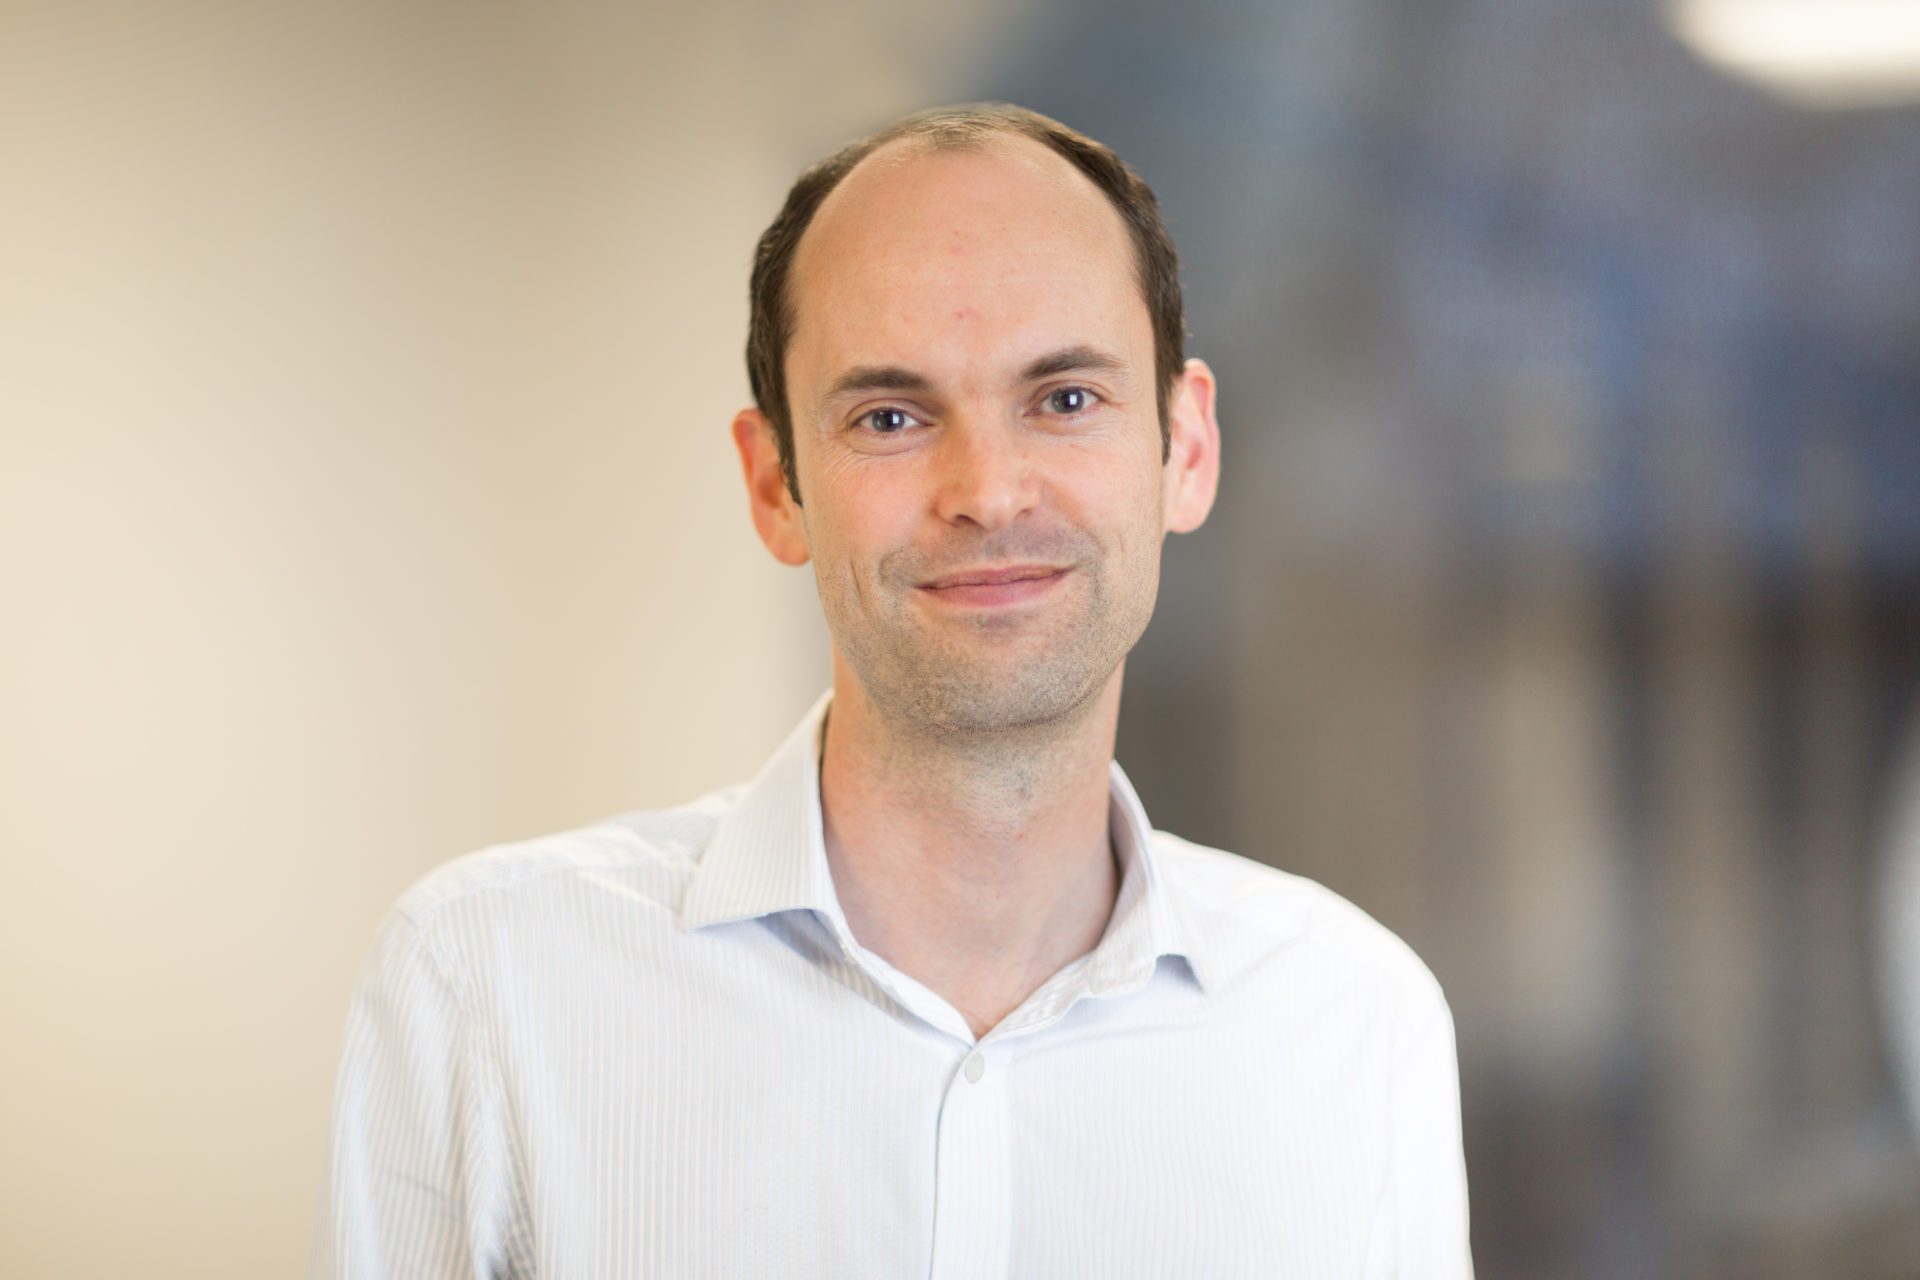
<point x="786" y="1120"/>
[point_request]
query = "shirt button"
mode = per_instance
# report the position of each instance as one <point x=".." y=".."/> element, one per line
<point x="975" y="1068"/>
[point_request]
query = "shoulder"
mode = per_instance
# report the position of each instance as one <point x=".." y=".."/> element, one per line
<point x="646" y="856"/>
<point x="1259" y="921"/>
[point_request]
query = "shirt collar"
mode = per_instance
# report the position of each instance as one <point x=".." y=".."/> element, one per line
<point x="1150" y="919"/>
<point x="768" y="854"/>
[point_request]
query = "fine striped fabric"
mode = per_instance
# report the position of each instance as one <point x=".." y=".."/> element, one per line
<point x="652" y="1048"/>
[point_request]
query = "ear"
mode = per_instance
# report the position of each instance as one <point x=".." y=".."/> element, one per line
<point x="776" y="516"/>
<point x="1192" y="473"/>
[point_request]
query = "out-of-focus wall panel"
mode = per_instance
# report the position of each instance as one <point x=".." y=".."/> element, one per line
<point x="256" y="607"/>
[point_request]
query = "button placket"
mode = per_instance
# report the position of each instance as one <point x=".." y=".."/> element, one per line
<point x="973" y="1184"/>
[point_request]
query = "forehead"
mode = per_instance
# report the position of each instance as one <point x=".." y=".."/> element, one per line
<point x="987" y="229"/>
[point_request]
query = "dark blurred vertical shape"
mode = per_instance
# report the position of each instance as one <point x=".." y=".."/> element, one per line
<point x="1834" y="1062"/>
<point x="1706" y="809"/>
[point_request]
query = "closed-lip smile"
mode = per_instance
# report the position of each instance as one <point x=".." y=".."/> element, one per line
<point x="992" y="576"/>
<point x="985" y="586"/>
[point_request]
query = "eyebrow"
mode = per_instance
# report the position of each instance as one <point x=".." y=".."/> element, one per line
<point x="891" y="377"/>
<point x="1072" y="360"/>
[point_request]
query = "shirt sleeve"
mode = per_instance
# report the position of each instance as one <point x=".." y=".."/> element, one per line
<point x="416" y="1183"/>
<point x="1421" y="1230"/>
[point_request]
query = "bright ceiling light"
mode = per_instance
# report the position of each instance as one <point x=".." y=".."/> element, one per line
<point x="1825" y="53"/>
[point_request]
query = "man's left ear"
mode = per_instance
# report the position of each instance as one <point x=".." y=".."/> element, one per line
<point x="1192" y="472"/>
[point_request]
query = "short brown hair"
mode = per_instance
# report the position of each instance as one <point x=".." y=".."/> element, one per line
<point x="770" y="326"/>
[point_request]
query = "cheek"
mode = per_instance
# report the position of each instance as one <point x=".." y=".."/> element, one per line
<point x="1140" y="538"/>
<point x="854" y="517"/>
<point x="1122" y="505"/>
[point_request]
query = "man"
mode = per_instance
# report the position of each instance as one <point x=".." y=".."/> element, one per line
<point x="928" y="996"/>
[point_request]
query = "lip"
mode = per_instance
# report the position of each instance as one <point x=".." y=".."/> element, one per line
<point x="992" y="585"/>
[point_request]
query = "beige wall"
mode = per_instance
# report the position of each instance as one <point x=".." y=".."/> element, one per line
<point x="365" y="497"/>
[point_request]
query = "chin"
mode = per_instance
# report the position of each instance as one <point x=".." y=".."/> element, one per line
<point x="1035" y="695"/>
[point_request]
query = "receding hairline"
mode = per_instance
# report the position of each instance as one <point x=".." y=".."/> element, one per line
<point x="960" y="136"/>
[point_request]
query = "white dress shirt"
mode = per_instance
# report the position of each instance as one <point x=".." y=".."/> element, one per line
<point x="653" y="1048"/>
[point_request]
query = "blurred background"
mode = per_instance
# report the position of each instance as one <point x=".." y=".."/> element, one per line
<point x="365" y="498"/>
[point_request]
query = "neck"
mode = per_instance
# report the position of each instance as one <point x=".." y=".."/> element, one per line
<point x="978" y="864"/>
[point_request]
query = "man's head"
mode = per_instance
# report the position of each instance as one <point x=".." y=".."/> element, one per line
<point x="772" y="316"/>
<point x="981" y="422"/>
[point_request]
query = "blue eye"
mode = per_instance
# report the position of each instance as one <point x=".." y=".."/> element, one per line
<point x="887" y="421"/>
<point x="1069" y="400"/>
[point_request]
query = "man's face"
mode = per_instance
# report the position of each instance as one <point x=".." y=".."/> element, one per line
<point x="976" y="438"/>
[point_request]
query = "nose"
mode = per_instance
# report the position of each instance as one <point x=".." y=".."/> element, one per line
<point x="986" y="476"/>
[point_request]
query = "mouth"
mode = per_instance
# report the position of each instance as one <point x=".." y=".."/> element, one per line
<point x="988" y="586"/>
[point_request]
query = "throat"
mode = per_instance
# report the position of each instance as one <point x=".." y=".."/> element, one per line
<point x="978" y="878"/>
